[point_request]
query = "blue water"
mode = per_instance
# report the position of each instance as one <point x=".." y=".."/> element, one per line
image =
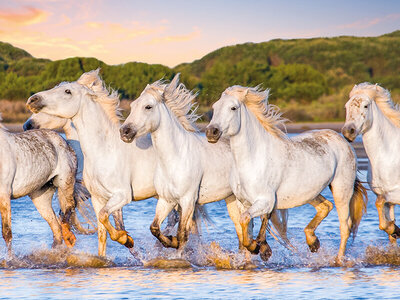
<point x="300" y="275"/>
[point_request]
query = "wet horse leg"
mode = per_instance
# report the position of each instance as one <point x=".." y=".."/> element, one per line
<point x="118" y="219"/>
<point x="163" y="208"/>
<point x="42" y="199"/>
<point x="259" y="207"/>
<point x="389" y="227"/>
<point x="5" y="210"/>
<point x="323" y="207"/>
<point x="185" y="222"/>
<point x="392" y="218"/>
<point x="233" y="206"/>
<point x="264" y="249"/>
<point x="101" y="230"/>
<point x="65" y="184"/>
<point x="116" y="202"/>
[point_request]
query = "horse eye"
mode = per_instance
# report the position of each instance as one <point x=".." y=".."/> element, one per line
<point x="148" y="107"/>
<point x="67" y="91"/>
<point x="366" y="106"/>
<point x="233" y="108"/>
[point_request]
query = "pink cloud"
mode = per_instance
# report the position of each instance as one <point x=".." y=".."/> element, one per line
<point x="362" y="24"/>
<point x="25" y="16"/>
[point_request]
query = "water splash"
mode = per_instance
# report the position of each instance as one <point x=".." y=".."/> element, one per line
<point x="382" y="256"/>
<point x="60" y="257"/>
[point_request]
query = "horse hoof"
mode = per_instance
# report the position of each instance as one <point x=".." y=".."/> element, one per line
<point x="314" y="246"/>
<point x="265" y="251"/>
<point x="129" y="242"/>
<point x="396" y="233"/>
<point x="68" y="236"/>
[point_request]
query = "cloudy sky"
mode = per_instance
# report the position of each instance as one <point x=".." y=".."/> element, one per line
<point x="172" y="32"/>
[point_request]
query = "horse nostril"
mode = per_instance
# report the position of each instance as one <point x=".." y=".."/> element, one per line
<point x="125" y="130"/>
<point x="215" y="131"/>
<point x="352" y="130"/>
<point x="27" y="126"/>
<point x="33" y="99"/>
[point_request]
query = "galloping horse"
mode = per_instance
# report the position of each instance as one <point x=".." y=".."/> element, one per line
<point x="188" y="169"/>
<point x="272" y="171"/>
<point x="36" y="163"/>
<point x="371" y="113"/>
<point x="115" y="173"/>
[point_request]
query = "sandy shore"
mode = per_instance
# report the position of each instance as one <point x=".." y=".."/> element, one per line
<point x="290" y="127"/>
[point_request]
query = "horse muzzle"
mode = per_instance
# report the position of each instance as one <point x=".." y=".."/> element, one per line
<point x="349" y="132"/>
<point x="127" y="133"/>
<point x="29" y="124"/>
<point x="213" y="134"/>
<point x="35" y="103"/>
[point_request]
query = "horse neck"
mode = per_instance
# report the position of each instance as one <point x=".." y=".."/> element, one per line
<point x="170" y="138"/>
<point x="94" y="128"/>
<point x="380" y="136"/>
<point x="253" y="140"/>
<point x="70" y="131"/>
<point x="73" y="140"/>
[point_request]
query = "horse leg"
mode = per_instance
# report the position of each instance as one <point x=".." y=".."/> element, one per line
<point x="101" y="230"/>
<point x="163" y="208"/>
<point x="389" y="227"/>
<point x="392" y="218"/>
<point x="5" y="211"/>
<point x="65" y="186"/>
<point x="342" y="202"/>
<point x="185" y="222"/>
<point x="323" y="207"/>
<point x="234" y="211"/>
<point x="118" y="219"/>
<point x="261" y="207"/>
<point x="173" y="219"/>
<point x="116" y="202"/>
<point x="42" y="200"/>
<point x="263" y="248"/>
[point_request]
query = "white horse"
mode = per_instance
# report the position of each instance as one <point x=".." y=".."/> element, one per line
<point x="43" y="120"/>
<point x="188" y="170"/>
<point x="371" y="113"/>
<point x="114" y="172"/>
<point x="271" y="170"/>
<point x="36" y="163"/>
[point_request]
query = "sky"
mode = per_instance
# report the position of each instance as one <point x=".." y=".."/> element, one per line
<point x="171" y="32"/>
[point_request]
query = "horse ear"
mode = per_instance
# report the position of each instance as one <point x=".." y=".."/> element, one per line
<point x="174" y="83"/>
<point x="90" y="78"/>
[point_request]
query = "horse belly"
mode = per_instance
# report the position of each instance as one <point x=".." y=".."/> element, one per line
<point x="293" y="195"/>
<point x="27" y="180"/>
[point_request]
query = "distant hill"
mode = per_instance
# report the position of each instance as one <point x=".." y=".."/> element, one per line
<point x="309" y="78"/>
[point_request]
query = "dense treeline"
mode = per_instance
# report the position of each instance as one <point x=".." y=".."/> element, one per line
<point x="309" y="78"/>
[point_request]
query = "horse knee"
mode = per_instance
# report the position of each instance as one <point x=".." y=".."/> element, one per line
<point x="155" y="229"/>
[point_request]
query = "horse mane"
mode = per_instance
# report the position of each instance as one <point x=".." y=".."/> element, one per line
<point x="256" y="100"/>
<point x="178" y="99"/>
<point x="382" y="99"/>
<point x="108" y="99"/>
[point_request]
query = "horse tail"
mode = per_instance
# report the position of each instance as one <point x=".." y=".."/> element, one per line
<point x="279" y="219"/>
<point x="200" y="215"/>
<point x="81" y="196"/>
<point x="358" y="205"/>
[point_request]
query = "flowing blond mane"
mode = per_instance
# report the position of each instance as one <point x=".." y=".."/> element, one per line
<point x="178" y="99"/>
<point x="108" y="99"/>
<point x="382" y="99"/>
<point x="256" y="100"/>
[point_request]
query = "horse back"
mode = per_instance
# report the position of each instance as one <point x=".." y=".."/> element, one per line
<point x="37" y="155"/>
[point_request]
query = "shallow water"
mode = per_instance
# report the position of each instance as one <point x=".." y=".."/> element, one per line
<point x="39" y="272"/>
